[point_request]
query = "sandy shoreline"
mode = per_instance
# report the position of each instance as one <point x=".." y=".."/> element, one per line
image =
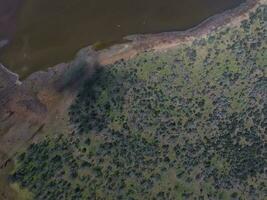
<point x="167" y="40"/>
<point x="160" y="41"/>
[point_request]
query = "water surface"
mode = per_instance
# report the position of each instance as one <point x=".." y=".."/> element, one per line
<point x="51" y="31"/>
<point x="8" y="15"/>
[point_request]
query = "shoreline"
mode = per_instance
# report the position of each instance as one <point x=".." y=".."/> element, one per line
<point x="165" y="40"/>
<point x="138" y="43"/>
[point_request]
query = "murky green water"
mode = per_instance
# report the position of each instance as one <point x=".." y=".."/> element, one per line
<point x="51" y="31"/>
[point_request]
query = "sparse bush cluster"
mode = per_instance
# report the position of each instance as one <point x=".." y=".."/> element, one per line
<point x="186" y="124"/>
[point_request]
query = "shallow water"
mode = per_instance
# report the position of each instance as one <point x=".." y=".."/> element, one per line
<point x="8" y="13"/>
<point x="49" y="32"/>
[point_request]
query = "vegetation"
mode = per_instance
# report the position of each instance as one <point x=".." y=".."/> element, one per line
<point x="189" y="123"/>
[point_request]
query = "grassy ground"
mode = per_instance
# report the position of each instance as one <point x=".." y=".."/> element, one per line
<point x="188" y="123"/>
